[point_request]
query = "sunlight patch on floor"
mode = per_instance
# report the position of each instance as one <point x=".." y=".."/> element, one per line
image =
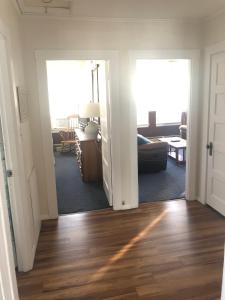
<point x="120" y="254"/>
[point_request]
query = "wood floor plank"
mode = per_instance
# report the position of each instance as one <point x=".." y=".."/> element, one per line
<point x="163" y="251"/>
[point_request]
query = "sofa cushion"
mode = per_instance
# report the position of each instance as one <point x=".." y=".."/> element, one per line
<point x="156" y="146"/>
<point x="141" y="140"/>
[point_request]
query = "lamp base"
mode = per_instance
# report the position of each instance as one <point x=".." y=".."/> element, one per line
<point x="91" y="128"/>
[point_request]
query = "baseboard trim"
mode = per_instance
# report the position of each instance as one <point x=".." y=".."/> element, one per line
<point x="126" y="207"/>
<point x="200" y="200"/>
<point x="44" y="217"/>
<point x="48" y="217"/>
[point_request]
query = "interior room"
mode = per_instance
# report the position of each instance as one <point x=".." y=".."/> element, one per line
<point x="73" y="93"/>
<point x="137" y="247"/>
<point x="162" y="93"/>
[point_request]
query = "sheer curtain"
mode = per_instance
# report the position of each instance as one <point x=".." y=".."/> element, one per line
<point x="69" y="85"/>
<point x="163" y="86"/>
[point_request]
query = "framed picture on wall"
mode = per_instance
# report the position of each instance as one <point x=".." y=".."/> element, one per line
<point x="22" y="104"/>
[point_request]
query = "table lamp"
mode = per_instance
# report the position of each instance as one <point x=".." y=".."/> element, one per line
<point x="90" y="110"/>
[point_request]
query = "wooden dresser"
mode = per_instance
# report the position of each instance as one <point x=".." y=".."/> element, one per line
<point x="88" y="153"/>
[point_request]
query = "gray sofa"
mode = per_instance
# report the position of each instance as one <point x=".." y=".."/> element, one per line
<point x="152" y="155"/>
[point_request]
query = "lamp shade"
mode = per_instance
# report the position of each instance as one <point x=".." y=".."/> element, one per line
<point x="90" y="110"/>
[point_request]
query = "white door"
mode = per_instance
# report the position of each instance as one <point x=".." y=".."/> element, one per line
<point x="216" y="138"/>
<point x="6" y="174"/>
<point x="22" y="192"/>
<point x="8" y="287"/>
<point x="223" y="282"/>
<point x="104" y="100"/>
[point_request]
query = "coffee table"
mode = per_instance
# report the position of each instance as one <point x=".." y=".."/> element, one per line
<point x="177" y="148"/>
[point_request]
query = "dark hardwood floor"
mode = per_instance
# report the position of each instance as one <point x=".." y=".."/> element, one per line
<point x="161" y="251"/>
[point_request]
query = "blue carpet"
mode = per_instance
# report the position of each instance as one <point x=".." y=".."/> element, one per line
<point x="73" y="194"/>
<point x="163" y="185"/>
<point x="76" y="196"/>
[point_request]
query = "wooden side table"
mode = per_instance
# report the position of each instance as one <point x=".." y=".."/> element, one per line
<point x="176" y="144"/>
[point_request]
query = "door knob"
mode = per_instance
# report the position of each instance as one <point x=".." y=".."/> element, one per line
<point x="9" y="173"/>
<point x="210" y="148"/>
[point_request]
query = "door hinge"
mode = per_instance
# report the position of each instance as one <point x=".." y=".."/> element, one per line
<point x="210" y="148"/>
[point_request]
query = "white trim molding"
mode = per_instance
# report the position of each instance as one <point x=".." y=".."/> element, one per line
<point x="112" y="56"/>
<point x="193" y="132"/>
<point x="44" y="217"/>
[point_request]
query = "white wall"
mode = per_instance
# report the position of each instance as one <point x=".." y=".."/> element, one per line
<point x="214" y="30"/>
<point x="10" y="21"/>
<point x="42" y="33"/>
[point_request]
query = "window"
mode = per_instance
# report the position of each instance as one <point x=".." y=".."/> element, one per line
<point x="69" y="85"/>
<point x="163" y="86"/>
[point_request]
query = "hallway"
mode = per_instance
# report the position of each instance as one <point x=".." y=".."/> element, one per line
<point x="163" y="251"/>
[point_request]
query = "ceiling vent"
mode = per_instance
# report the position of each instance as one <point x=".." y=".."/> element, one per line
<point x="45" y="7"/>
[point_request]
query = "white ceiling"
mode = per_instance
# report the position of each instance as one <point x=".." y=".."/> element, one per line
<point x="155" y="9"/>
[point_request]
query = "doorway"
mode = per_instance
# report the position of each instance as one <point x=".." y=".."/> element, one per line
<point x="77" y="93"/>
<point x="193" y="124"/>
<point x="162" y="93"/>
<point x="113" y="178"/>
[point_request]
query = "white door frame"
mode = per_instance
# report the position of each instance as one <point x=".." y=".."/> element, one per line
<point x="41" y="57"/>
<point x="192" y="124"/>
<point x="208" y="53"/>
